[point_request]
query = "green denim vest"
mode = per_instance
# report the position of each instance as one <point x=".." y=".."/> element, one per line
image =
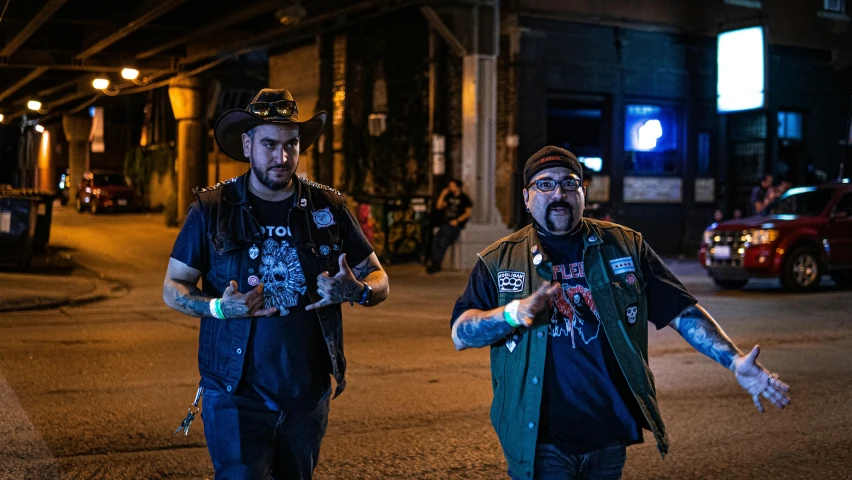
<point x="516" y="373"/>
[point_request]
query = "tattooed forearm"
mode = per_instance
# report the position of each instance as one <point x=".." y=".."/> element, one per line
<point x="699" y="329"/>
<point x="362" y="271"/>
<point x="186" y="298"/>
<point x="476" y="328"/>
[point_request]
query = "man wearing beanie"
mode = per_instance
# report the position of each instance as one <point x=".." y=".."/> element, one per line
<point x="565" y="305"/>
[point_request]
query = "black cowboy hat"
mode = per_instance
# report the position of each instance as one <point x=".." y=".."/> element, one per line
<point x="269" y="106"/>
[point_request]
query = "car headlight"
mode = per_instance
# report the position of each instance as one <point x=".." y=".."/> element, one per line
<point x="708" y="237"/>
<point x="761" y="236"/>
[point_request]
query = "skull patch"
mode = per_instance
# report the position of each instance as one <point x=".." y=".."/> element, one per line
<point x="631" y="313"/>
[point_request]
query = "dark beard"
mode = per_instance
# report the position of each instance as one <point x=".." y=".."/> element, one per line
<point x="267" y="182"/>
<point x="549" y="223"/>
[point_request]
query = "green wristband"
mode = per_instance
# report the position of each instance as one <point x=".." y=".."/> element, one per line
<point x="219" y="312"/>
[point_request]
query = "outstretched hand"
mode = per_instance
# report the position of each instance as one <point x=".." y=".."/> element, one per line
<point x="757" y="381"/>
<point x="536" y="302"/>
<point x="237" y="305"/>
<point x="343" y="287"/>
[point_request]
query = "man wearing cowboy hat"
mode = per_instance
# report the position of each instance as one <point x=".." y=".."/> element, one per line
<point x="273" y="254"/>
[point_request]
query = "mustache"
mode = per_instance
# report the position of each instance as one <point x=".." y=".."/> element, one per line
<point x="558" y="204"/>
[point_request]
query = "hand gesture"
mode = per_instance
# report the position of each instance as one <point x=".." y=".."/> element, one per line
<point x="237" y="305"/>
<point x="757" y="381"/>
<point x="454" y="223"/>
<point x="343" y="287"/>
<point x="536" y="302"/>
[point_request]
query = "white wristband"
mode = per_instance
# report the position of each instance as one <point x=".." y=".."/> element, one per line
<point x="213" y="309"/>
<point x="510" y="313"/>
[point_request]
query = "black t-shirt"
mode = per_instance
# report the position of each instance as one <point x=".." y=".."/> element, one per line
<point x="586" y="402"/>
<point x="456" y="206"/>
<point x="287" y="364"/>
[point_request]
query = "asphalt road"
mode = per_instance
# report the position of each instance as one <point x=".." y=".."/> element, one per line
<point x="95" y="391"/>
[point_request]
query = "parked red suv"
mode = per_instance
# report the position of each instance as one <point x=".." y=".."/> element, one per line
<point x="798" y="237"/>
<point x="100" y="191"/>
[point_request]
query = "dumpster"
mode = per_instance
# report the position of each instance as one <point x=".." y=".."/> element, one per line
<point x="44" y="212"/>
<point x="18" y="216"/>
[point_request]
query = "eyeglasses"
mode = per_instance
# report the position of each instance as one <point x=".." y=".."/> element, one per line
<point x="548" y="185"/>
<point x="284" y="108"/>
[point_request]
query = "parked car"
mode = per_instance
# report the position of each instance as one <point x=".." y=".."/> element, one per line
<point x="101" y="191"/>
<point x="797" y="238"/>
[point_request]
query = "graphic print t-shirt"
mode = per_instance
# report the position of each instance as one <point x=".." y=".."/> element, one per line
<point x="287" y="366"/>
<point x="583" y="404"/>
<point x="456" y="207"/>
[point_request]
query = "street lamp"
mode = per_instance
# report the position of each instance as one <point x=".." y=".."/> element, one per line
<point x="100" y="83"/>
<point x="39" y="128"/>
<point x="34" y="105"/>
<point x="129" y="73"/>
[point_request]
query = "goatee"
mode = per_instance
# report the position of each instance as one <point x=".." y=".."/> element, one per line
<point x="268" y="182"/>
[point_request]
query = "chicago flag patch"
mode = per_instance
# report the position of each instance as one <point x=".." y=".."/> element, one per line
<point x="622" y="265"/>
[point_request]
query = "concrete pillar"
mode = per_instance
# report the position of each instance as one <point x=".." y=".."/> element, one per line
<point x="479" y="139"/>
<point x="77" y="133"/>
<point x="186" y="99"/>
<point x="45" y="165"/>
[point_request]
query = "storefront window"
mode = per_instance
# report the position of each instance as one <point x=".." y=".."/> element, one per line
<point x="790" y="125"/>
<point x="651" y="139"/>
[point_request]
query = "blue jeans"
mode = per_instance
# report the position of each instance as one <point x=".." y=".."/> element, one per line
<point x="446" y="236"/>
<point x="246" y="440"/>
<point x="604" y="464"/>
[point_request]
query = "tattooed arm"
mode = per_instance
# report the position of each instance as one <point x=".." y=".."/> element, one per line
<point x="180" y="292"/>
<point x="478" y="328"/>
<point x="699" y="329"/>
<point x="370" y="271"/>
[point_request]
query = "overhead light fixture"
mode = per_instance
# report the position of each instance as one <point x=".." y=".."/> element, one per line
<point x="34" y="105"/>
<point x="100" y="83"/>
<point x="129" y="73"/>
<point x="39" y="128"/>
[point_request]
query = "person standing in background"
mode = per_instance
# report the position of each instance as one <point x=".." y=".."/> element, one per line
<point x="457" y="209"/>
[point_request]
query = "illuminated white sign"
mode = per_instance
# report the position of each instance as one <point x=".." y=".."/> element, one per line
<point x="592" y="163"/>
<point x="741" y="80"/>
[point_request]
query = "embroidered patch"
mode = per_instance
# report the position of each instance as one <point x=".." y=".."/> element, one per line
<point x="510" y="281"/>
<point x="631" y="279"/>
<point x="324" y="249"/>
<point x="254" y="252"/>
<point x="253" y="280"/>
<point x="622" y="265"/>
<point x="631" y="313"/>
<point x="511" y="344"/>
<point x="323" y="218"/>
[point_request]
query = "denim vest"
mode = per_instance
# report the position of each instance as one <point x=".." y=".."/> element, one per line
<point x="516" y="373"/>
<point x="231" y="230"/>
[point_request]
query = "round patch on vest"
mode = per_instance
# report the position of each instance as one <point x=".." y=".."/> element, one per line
<point x="631" y="279"/>
<point x="593" y="238"/>
<point x="324" y="249"/>
<point x="537" y="259"/>
<point x="253" y="280"/>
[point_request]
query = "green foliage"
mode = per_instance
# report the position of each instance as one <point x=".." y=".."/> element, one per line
<point x="140" y="164"/>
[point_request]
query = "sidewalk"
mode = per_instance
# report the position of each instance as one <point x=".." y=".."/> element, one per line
<point x="53" y="281"/>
